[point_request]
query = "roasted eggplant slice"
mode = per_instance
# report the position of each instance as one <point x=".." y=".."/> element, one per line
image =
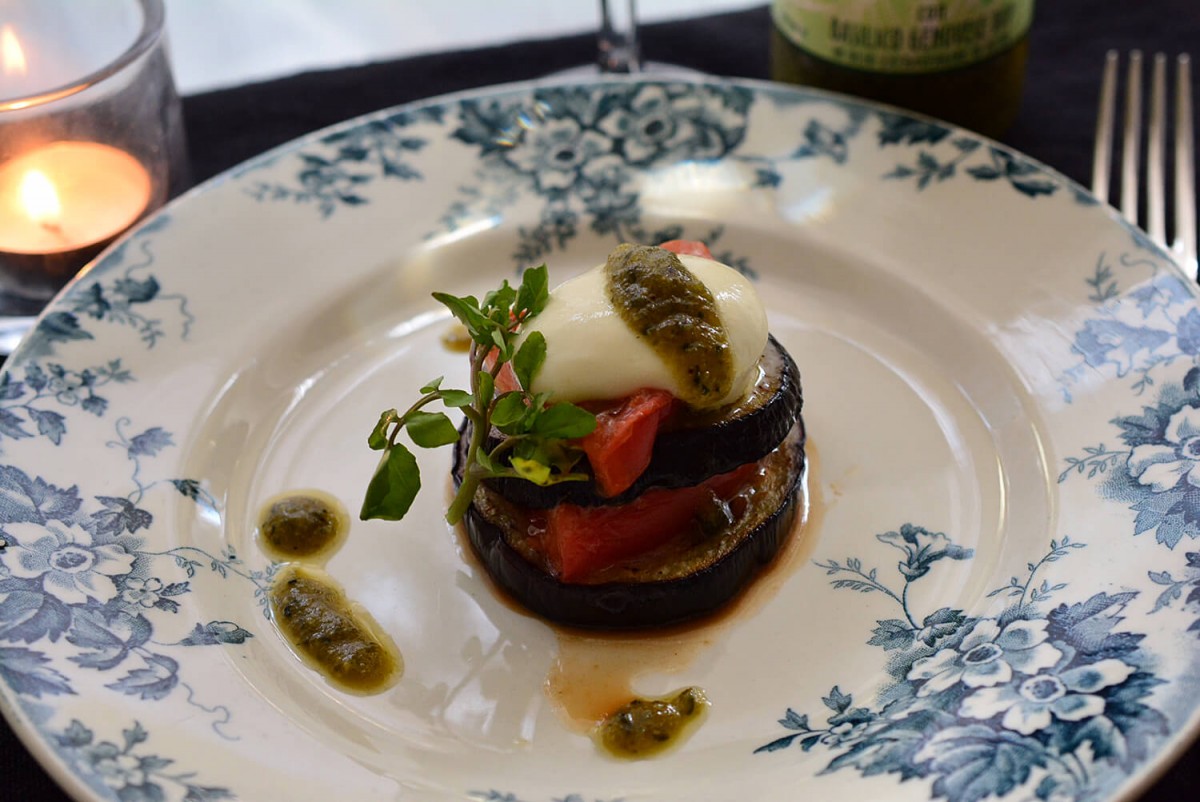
<point x="701" y="446"/>
<point x="698" y="572"/>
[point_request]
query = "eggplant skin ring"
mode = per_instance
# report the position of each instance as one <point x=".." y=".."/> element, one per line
<point x="636" y="604"/>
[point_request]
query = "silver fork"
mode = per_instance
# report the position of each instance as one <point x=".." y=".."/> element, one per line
<point x="1183" y="246"/>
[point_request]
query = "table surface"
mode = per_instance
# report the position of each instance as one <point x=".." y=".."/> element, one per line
<point x="228" y="43"/>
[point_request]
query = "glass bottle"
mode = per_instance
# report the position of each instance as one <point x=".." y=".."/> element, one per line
<point x="958" y="60"/>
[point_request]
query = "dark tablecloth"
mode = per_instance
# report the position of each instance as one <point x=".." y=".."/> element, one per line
<point x="1067" y="47"/>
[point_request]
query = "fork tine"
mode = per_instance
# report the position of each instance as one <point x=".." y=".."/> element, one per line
<point x="1102" y="155"/>
<point x="1156" y="154"/>
<point x="1132" y="138"/>
<point x="1184" y="245"/>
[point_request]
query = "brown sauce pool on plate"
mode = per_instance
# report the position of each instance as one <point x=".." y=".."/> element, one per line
<point x="593" y="674"/>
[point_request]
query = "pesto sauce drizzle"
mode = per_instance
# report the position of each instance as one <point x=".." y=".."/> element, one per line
<point x="646" y="727"/>
<point x="663" y="303"/>
<point x="327" y="631"/>
<point x="302" y="526"/>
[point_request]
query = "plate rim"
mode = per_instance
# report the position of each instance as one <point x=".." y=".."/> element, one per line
<point x="1146" y="774"/>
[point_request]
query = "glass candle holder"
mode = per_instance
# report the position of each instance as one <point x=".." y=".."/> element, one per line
<point x="91" y="136"/>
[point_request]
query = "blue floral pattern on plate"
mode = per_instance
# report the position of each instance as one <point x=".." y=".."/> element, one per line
<point x="84" y="571"/>
<point x="580" y="151"/>
<point x="983" y="705"/>
<point x="1148" y="335"/>
<point x="339" y="164"/>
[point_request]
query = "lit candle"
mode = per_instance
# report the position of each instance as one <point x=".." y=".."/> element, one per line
<point x="61" y="202"/>
<point x="12" y="55"/>
<point x="69" y="196"/>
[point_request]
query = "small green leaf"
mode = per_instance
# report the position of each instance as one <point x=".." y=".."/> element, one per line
<point x="468" y="313"/>
<point x="534" y="291"/>
<point x="531" y="470"/>
<point x="565" y="421"/>
<point x="503" y="343"/>
<point x="529" y="358"/>
<point x="485" y="461"/>
<point x="497" y="304"/>
<point x="378" y="438"/>
<point x="487" y="387"/>
<point x="558" y="455"/>
<point x="558" y="479"/>
<point x="431" y="429"/>
<point x="433" y="385"/>
<point x="456" y="399"/>
<point x="508" y="412"/>
<point x="393" y="487"/>
<point x="549" y="453"/>
<point x="533" y="448"/>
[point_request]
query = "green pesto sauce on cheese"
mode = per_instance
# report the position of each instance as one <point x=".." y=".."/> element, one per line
<point x="664" y="303"/>
<point x="646" y="727"/>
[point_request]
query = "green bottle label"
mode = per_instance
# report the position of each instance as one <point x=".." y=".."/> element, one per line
<point x="903" y="36"/>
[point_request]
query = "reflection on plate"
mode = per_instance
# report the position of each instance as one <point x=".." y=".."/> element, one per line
<point x="996" y="594"/>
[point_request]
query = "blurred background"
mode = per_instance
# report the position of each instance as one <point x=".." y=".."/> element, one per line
<point x="221" y="43"/>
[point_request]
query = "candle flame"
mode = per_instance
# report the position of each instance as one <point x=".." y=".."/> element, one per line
<point x="39" y="198"/>
<point x="12" y="57"/>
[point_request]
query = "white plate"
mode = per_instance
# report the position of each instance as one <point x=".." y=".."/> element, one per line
<point x="1001" y="393"/>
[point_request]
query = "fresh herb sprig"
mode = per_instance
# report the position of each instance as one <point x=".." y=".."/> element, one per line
<point x="535" y="445"/>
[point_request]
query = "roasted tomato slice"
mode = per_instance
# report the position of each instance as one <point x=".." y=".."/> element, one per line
<point x="621" y="446"/>
<point x="582" y="540"/>
<point x="687" y="247"/>
<point x="506" y="380"/>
